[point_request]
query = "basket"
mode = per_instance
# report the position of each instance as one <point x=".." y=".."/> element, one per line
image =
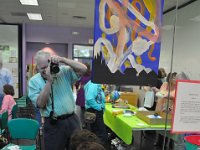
<point x="192" y="142"/>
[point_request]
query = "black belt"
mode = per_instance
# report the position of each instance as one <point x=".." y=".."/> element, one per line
<point x="65" y="116"/>
<point x="62" y="117"/>
<point x="93" y="110"/>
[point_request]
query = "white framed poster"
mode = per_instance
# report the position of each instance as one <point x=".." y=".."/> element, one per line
<point x="186" y="116"/>
<point x="9" y="51"/>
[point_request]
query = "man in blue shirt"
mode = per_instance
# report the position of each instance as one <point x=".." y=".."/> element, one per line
<point x="95" y="103"/>
<point x="53" y="94"/>
<point x="5" y="78"/>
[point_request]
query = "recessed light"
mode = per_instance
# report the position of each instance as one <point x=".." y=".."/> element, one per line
<point x="195" y="19"/>
<point x="29" y="2"/>
<point x="167" y="27"/>
<point x="34" y="16"/>
<point x="170" y="27"/>
<point x="76" y="59"/>
<point x="75" y="33"/>
<point x="90" y="41"/>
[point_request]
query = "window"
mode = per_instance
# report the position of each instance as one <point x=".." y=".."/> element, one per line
<point x="82" y="51"/>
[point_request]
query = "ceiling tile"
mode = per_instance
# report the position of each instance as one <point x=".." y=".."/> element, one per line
<point x="59" y="12"/>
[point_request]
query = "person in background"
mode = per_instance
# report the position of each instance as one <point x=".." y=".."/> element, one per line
<point x="80" y="136"/>
<point x="5" y="78"/>
<point x="166" y="90"/>
<point x="179" y="143"/>
<point x="159" y="79"/>
<point x="80" y="101"/>
<point x="163" y="74"/>
<point x="150" y="91"/>
<point x="165" y="95"/>
<point x="8" y="100"/>
<point x="95" y="103"/>
<point x="52" y="93"/>
<point x="90" y="146"/>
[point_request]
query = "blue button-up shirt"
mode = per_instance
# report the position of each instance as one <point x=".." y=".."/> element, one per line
<point x="62" y="92"/>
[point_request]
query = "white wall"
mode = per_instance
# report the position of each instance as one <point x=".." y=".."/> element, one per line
<point x="187" y="41"/>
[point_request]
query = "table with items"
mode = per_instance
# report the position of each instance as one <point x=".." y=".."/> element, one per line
<point x="123" y="122"/>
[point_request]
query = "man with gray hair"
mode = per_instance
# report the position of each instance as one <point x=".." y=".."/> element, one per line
<point x="5" y="78"/>
<point x="51" y="90"/>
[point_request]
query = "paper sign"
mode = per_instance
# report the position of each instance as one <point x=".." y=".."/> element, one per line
<point x="186" y="117"/>
<point x="153" y="116"/>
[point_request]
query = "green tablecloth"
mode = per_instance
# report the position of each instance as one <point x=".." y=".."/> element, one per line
<point x="123" y="126"/>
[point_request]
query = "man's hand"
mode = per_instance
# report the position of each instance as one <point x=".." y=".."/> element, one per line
<point x="56" y="59"/>
<point x="48" y="75"/>
<point x="78" y="67"/>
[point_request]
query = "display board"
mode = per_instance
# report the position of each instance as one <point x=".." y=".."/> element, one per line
<point x="9" y="51"/>
<point x="127" y="41"/>
<point x="186" y="118"/>
<point x="82" y="51"/>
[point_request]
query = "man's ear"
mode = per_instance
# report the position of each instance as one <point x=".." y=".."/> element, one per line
<point x="36" y="69"/>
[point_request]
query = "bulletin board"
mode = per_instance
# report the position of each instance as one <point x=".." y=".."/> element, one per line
<point x="10" y="39"/>
<point x="127" y="41"/>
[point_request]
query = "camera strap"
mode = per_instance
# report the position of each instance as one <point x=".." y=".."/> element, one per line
<point x="51" y="95"/>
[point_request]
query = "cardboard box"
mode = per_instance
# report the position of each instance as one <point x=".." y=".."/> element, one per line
<point x="131" y="97"/>
<point x="146" y="116"/>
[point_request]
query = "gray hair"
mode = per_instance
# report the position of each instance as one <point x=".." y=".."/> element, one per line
<point x="40" y="54"/>
<point x="182" y="76"/>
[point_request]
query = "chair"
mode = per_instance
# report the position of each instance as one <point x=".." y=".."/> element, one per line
<point x="21" y="102"/>
<point x="23" y="128"/>
<point x="3" y="122"/>
<point x="14" y="112"/>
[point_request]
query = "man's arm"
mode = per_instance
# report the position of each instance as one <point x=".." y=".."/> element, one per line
<point x="78" y="67"/>
<point x="44" y="95"/>
<point x="46" y="91"/>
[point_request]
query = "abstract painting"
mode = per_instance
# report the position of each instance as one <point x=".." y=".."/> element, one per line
<point x="127" y="41"/>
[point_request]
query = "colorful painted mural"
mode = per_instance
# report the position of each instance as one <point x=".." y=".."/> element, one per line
<point x="127" y="41"/>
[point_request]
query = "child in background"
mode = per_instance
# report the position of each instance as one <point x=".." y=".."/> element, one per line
<point x="90" y="146"/>
<point x="82" y="136"/>
<point x="8" y="100"/>
<point x="80" y="100"/>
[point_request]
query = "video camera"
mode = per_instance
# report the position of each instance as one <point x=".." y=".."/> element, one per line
<point x="54" y="67"/>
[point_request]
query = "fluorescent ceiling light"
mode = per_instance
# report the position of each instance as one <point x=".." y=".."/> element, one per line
<point x="76" y="59"/>
<point x="34" y="16"/>
<point x="75" y="33"/>
<point x="170" y="27"/>
<point x="195" y="19"/>
<point x="29" y="2"/>
<point x="167" y="27"/>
